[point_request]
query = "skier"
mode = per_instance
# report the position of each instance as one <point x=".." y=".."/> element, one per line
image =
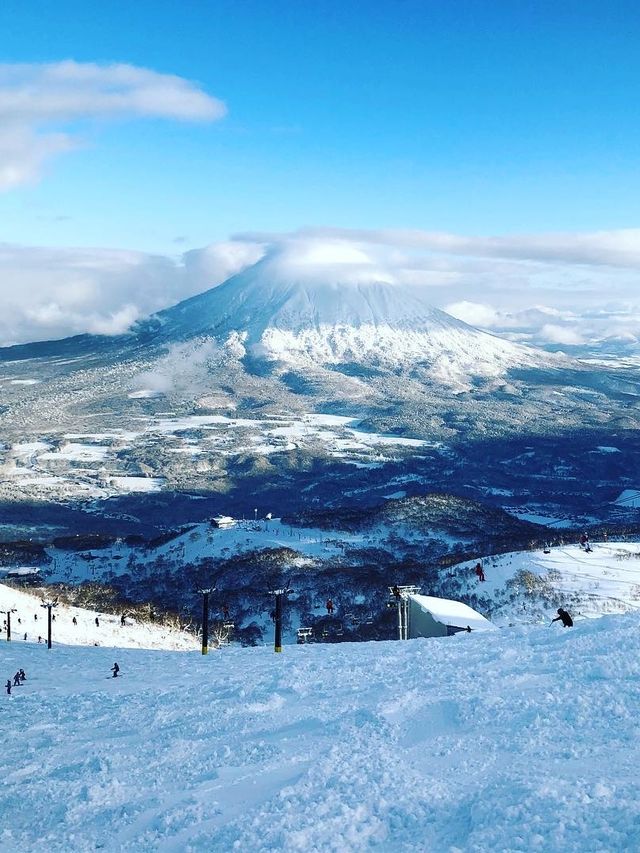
<point x="479" y="572"/>
<point x="23" y="675"/>
<point x="8" y="686"/>
<point x="122" y="621"/>
<point x="16" y="680"/>
<point x="115" y="669"/>
<point x="563" y="617"/>
<point x="584" y="541"/>
<point x="329" y="607"/>
<point x="39" y="638"/>
<point x="97" y="622"/>
<point x="25" y="636"/>
<point x="74" y="620"/>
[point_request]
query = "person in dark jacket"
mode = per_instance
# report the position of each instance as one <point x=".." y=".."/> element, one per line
<point x="563" y="617"/>
<point x="115" y="669"/>
<point x="479" y="572"/>
<point x="8" y="686"/>
<point x="16" y="680"/>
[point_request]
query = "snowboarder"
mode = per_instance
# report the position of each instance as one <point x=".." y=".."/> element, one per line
<point x="8" y="686"/>
<point x="563" y="617"/>
<point x="329" y="607"/>
<point x="16" y="680"/>
<point x="584" y="541"/>
<point x="23" y="675"/>
<point x="115" y="669"/>
<point x="74" y="620"/>
<point x="97" y="622"/>
<point x="479" y="572"/>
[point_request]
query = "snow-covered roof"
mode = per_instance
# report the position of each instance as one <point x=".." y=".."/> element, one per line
<point x="221" y="520"/>
<point x="629" y="498"/>
<point x="453" y="613"/>
<point x="21" y="570"/>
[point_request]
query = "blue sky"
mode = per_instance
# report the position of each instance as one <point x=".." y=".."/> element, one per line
<point x="474" y="119"/>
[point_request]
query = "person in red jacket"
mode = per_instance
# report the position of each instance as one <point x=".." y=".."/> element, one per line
<point x="480" y="572"/>
<point x="329" y="606"/>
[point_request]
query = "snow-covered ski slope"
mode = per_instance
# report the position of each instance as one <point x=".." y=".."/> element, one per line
<point x="108" y="632"/>
<point x="605" y="579"/>
<point x="522" y="739"/>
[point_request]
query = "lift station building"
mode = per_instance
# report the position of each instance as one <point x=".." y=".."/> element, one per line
<point x="441" y="617"/>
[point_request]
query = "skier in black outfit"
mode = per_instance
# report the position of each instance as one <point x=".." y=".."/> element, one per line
<point x="8" y="686"/>
<point x="16" y="680"/>
<point x="23" y="675"/>
<point x="115" y="669"/>
<point x="563" y="617"/>
<point x="97" y="622"/>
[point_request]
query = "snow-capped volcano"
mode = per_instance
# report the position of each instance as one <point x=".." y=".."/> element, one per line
<point x="305" y="311"/>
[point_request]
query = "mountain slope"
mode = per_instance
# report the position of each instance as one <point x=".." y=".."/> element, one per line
<point x="290" y="315"/>
<point x="520" y="739"/>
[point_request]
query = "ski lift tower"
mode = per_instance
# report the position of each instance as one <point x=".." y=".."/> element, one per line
<point x="277" y="615"/>
<point x="49" y="604"/>
<point x="400" y="597"/>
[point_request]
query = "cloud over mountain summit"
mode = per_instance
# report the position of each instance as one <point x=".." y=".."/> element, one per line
<point x="528" y="287"/>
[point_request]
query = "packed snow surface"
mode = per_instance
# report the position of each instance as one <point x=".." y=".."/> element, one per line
<point x="522" y="739"/>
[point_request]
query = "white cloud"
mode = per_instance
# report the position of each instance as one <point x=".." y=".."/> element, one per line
<point x="612" y="248"/>
<point x="53" y="293"/>
<point x="39" y="103"/>
<point x="565" y="335"/>
<point x="474" y="313"/>
<point x="48" y="293"/>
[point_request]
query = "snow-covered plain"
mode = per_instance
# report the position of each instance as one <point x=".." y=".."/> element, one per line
<point x="515" y="740"/>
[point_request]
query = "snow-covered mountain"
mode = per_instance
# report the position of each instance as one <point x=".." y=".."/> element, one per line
<point x="300" y="313"/>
